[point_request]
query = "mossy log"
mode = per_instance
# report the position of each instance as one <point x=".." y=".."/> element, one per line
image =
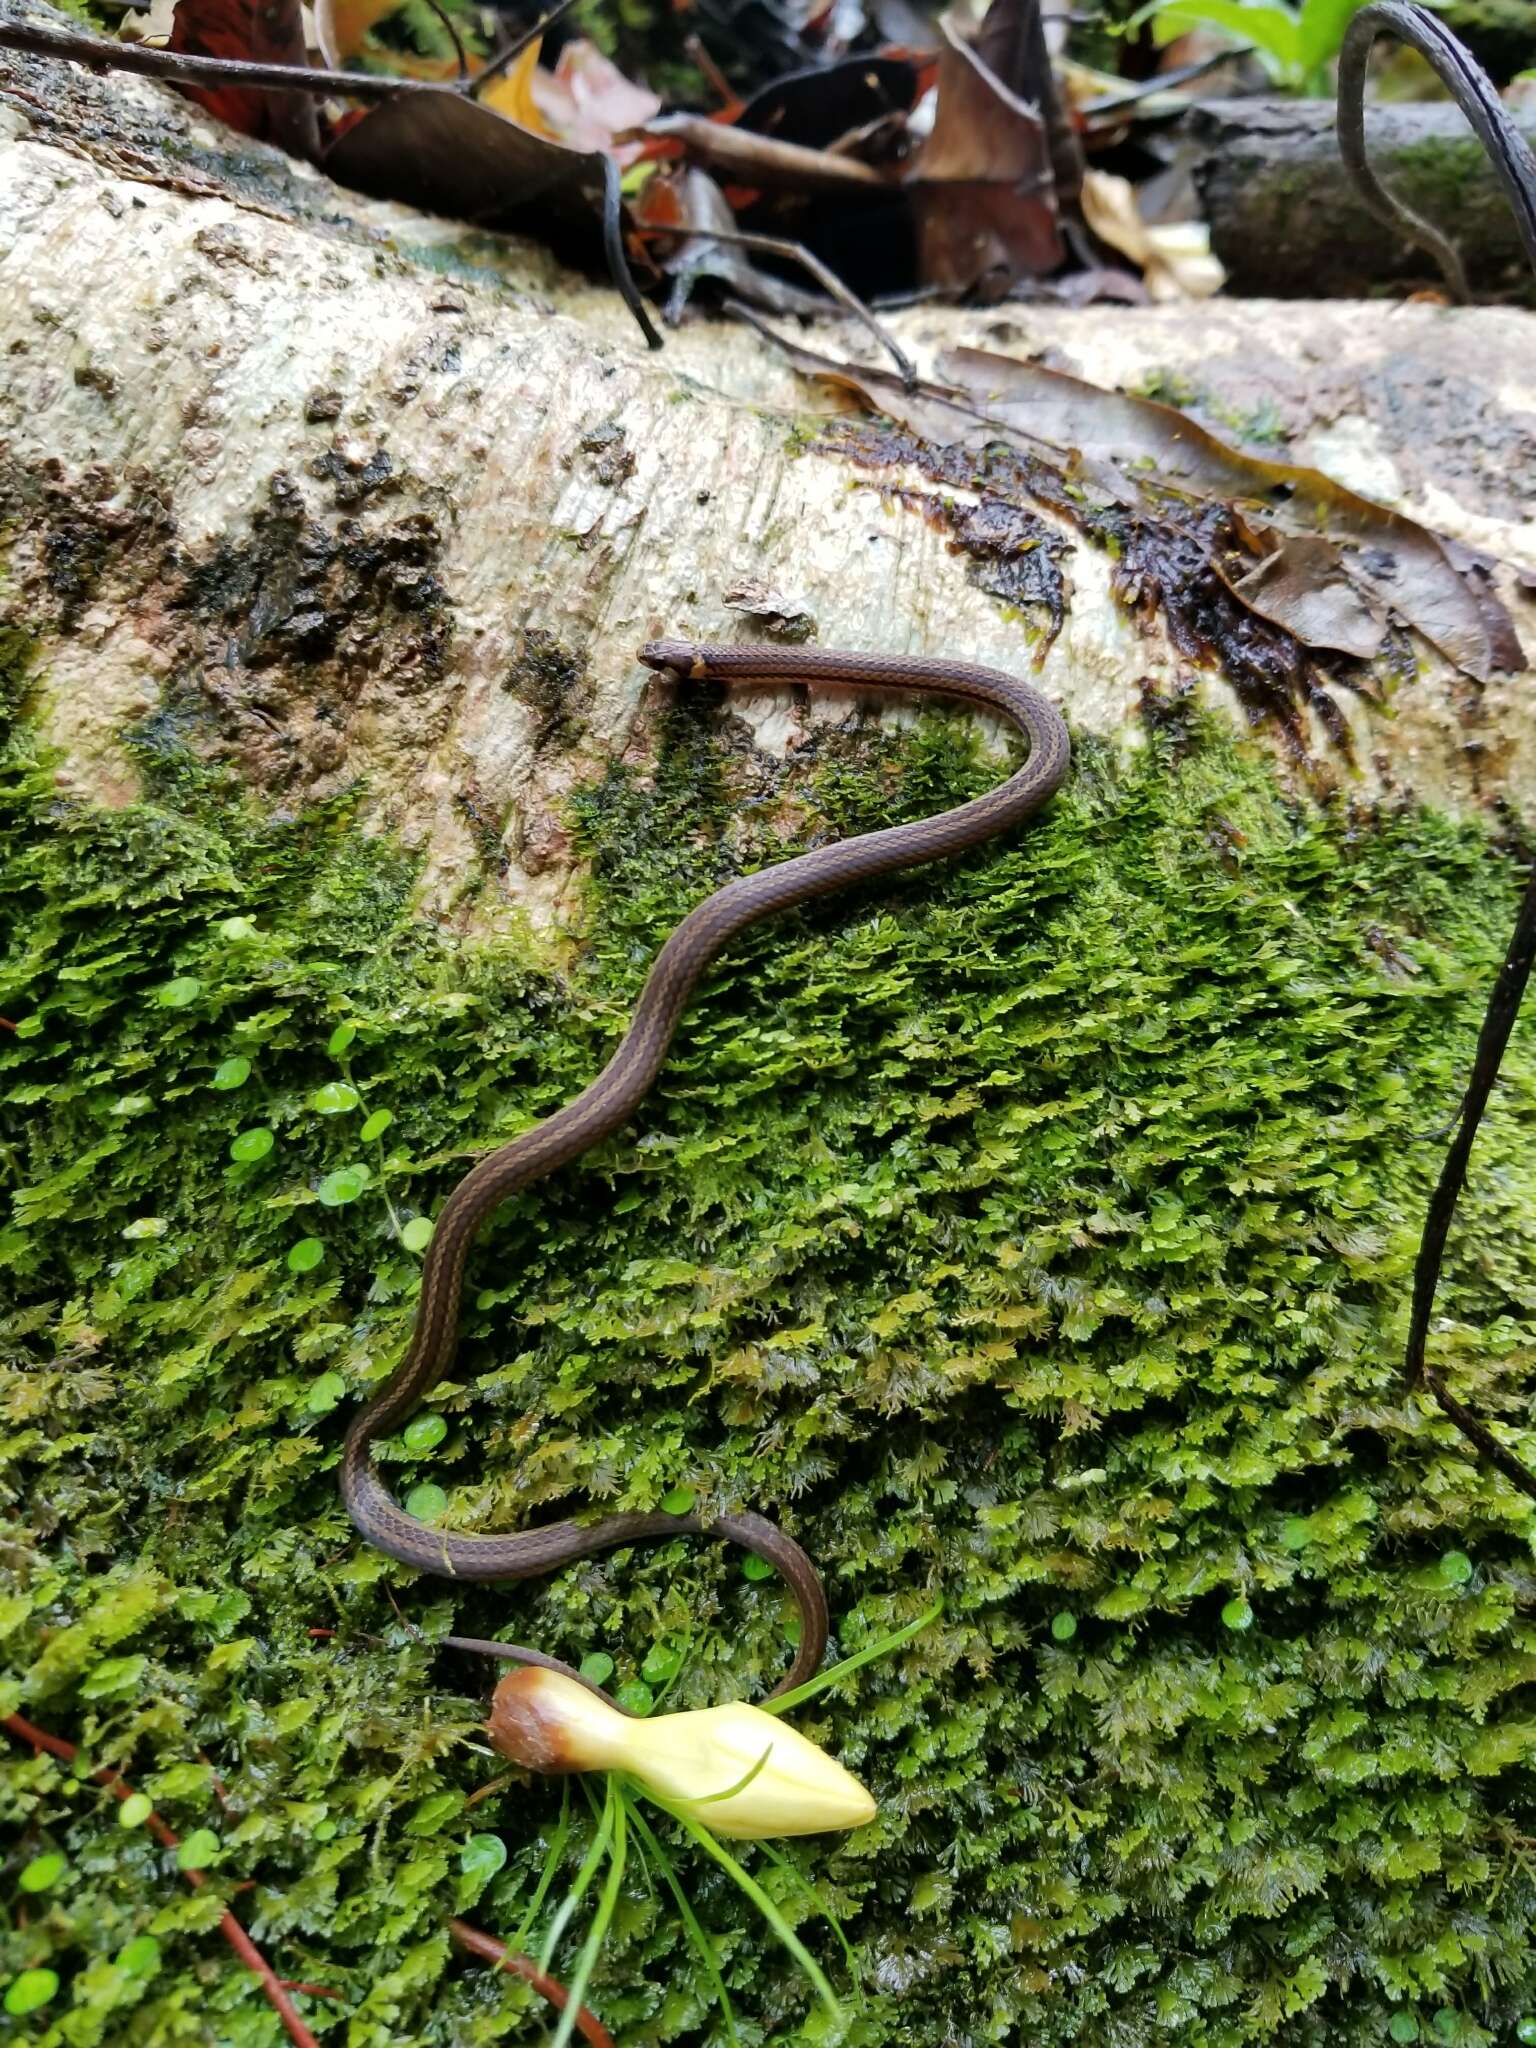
<point x="1036" y="1233"/>
<point x="1287" y="223"/>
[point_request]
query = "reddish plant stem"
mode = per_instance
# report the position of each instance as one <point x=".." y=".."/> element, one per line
<point x="588" y="2025"/>
<point x="277" y="1988"/>
<point x="229" y="1926"/>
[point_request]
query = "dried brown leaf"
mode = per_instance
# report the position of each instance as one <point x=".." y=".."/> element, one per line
<point x="1302" y="586"/>
<point x="1393" y="561"/>
<point x="982" y="192"/>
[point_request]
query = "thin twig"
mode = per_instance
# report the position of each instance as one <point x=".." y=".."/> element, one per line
<point x="229" y="1926"/>
<point x="1473" y="92"/>
<point x="760" y="160"/>
<point x="830" y="282"/>
<point x="446" y="20"/>
<point x="183" y="68"/>
<point x="510" y="52"/>
<point x="490" y="1950"/>
<point x="613" y="248"/>
<point x="698" y="54"/>
<point x="1498" y="1022"/>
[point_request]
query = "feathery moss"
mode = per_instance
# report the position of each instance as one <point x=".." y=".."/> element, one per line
<point x="1036" y="1231"/>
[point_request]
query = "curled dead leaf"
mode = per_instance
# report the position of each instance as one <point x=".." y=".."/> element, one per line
<point x="981" y="184"/>
<point x="1395" y="563"/>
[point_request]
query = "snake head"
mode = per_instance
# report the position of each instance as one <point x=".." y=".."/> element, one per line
<point x="674" y="657"/>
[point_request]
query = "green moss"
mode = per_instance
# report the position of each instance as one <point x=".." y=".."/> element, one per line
<point x="1036" y="1231"/>
<point x="18" y="654"/>
<point x="1261" y="426"/>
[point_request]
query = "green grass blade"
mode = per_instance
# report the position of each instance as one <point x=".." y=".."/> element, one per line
<point x="867" y="1655"/>
<point x="591" y="1863"/>
<point x="807" y="1890"/>
<point x="557" y="1842"/>
<point x="614" y="1811"/>
<point x="741" y="1784"/>
<point x="698" y="1940"/>
<point x="718" y="1853"/>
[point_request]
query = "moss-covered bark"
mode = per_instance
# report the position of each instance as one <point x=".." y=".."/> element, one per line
<point x="1036" y="1232"/>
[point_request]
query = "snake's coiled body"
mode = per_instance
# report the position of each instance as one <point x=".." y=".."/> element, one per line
<point x="609" y="1102"/>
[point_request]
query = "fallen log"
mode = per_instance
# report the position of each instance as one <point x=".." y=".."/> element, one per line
<point x="1286" y="222"/>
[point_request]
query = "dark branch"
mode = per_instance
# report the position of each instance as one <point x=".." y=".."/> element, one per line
<point x="182" y="68"/>
<point x="511" y="51"/>
<point x="1472" y="91"/>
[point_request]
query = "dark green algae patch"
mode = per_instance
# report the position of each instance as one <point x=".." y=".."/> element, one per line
<point x="1035" y="1231"/>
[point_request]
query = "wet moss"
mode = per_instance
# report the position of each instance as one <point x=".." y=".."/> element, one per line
<point x="551" y="679"/>
<point x="1036" y="1230"/>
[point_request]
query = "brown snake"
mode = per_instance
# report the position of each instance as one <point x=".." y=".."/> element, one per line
<point x="610" y="1101"/>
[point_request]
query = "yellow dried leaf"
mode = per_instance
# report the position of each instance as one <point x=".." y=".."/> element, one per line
<point x="511" y="95"/>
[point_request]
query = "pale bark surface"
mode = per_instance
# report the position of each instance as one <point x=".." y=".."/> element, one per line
<point x="346" y="492"/>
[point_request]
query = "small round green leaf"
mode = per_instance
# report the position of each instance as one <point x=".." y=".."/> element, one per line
<point x="304" y="1256"/>
<point x="424" y="1434"/>
<point x="340" y="1039"/>
<point x="679" y="1501"/>
<point x="135" y="1810"/>
<point x="325" y="1393"/>
<point x="1403" y="2027"/>
<point x="597" y="1666"/>
<point x="662" y="1661"/>
<point x="139" y="1957"/>
<point x="755" y="1567"/>
<point x="1455" y="1567"/>
<point x="1296" y="1533"/>
<point x="637" y="1698"/>
<point x="132" y="1105"/>
<point x="177" y="994"/>
<point x="231" y="1073"/>
<point x="1525" y="2029"/>
<point x="426" y="1502"/>
<point x="146" y="1226"/>
<point x="199" y="1850"/>
<point x="251" y="1145"/>
<point x="335" y="1098"/>
<point x="377" y="1124"/>
<point x="1445" y="2024"/>
<point x="324" y="1831"/>
<point x="30" y="1991"/>
<point x="482" y="1856"/>
<point x="1237" y="1613"/>
<point x="417" y="1234"/>
<point x="343" y="1186"/>
<point x="43" y="1872"/>
<point x="237" y="930"/>
<point x="1063" y="1626"/>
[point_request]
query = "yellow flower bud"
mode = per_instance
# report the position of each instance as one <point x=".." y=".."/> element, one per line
<point x="547" y="1722"/>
